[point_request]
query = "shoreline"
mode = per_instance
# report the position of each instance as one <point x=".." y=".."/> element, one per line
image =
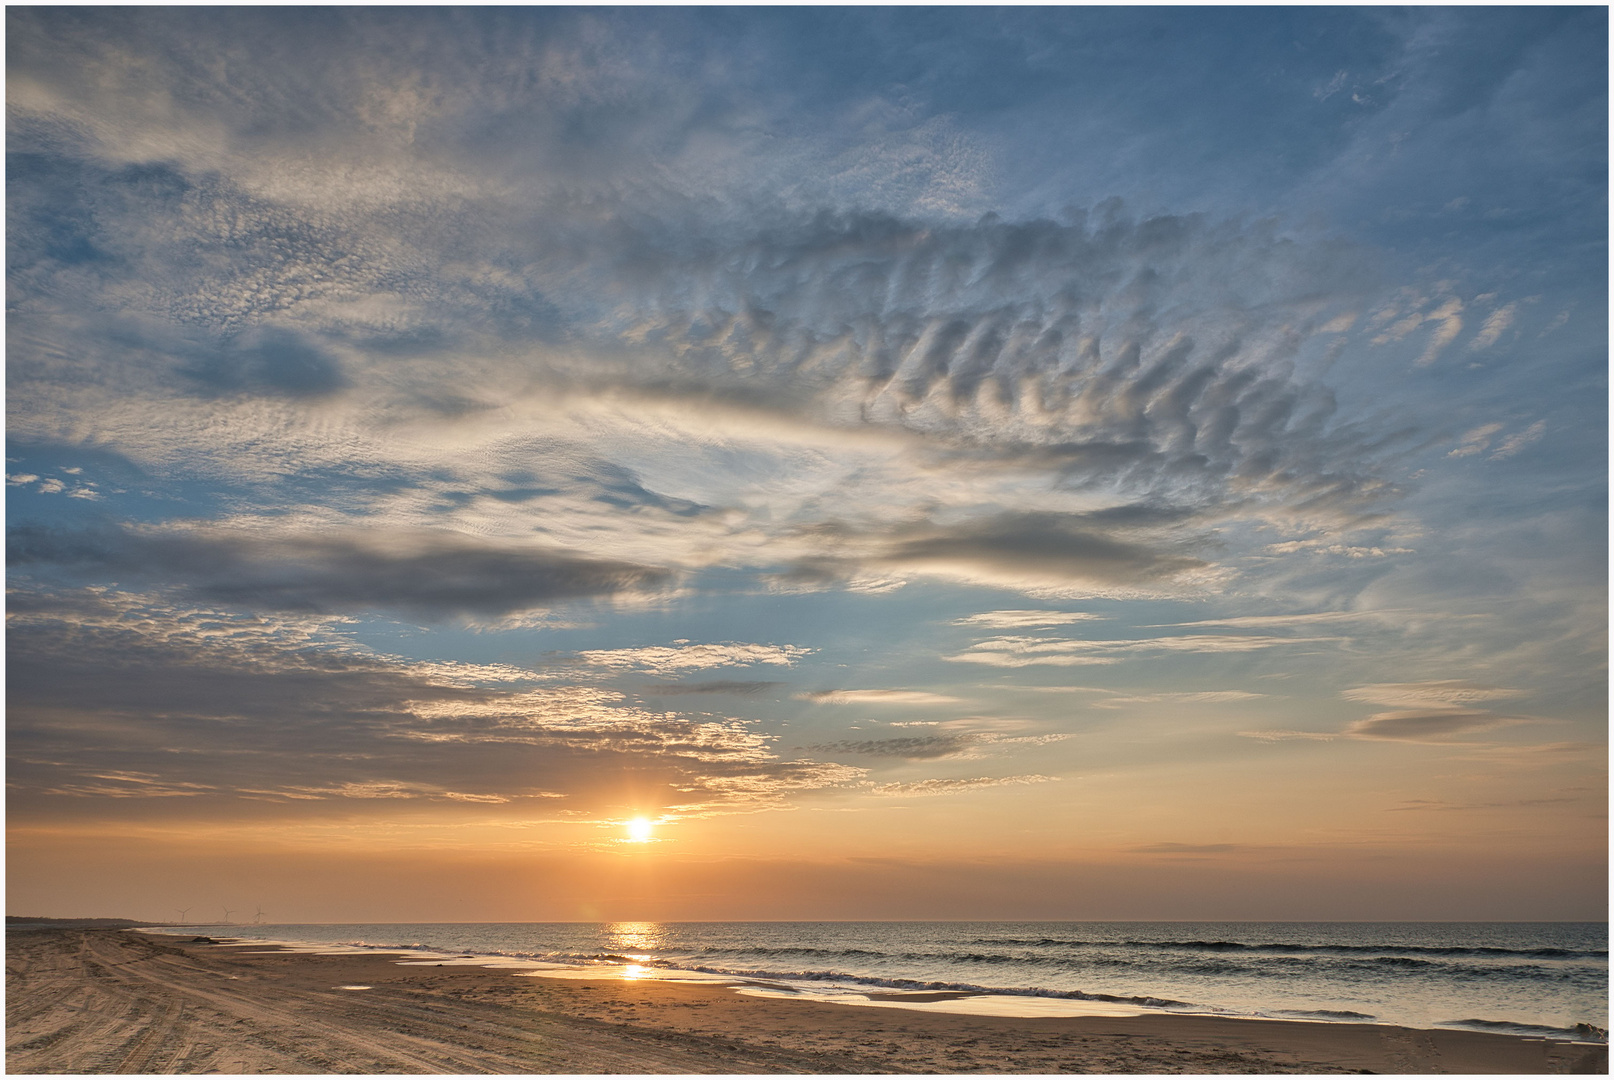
<point x="933" y="996"/>
<point x="104" y="1000"/>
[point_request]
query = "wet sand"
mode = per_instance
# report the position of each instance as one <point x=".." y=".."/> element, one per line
<point x="103" y="1000"/>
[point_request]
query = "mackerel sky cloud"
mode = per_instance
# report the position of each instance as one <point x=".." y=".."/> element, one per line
<point x="468" y="429"/>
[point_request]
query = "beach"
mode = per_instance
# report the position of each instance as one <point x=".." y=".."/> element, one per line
<point x="83" y="1000"/>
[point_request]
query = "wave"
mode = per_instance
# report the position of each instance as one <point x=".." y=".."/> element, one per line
<point x="1248" y="963"/>
<point x="1543" y="953"/>
<point x="1580" y="1032"/>
<point x="385" y="947"/>
<point x="807" y="950"/>
<point x="1358" y="950"/>
<point x="1324" y="1014"/>
<point x="956" y="987"/>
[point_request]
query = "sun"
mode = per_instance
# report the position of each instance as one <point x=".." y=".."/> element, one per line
<point x="639" y="830"/>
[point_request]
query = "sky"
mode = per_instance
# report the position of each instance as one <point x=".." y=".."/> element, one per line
<point x="962" y="463"/>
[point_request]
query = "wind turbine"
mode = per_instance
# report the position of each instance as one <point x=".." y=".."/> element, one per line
<point x="182" y="912"/>
<point x="257" y="916"/>
<point x="227" y="913"/>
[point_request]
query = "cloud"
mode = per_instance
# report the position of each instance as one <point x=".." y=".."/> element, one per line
<point x="985" y="351"/>
<point x="1284" y="735"/>
<point x="1446" y="317"/>
<point x="271" y="360"/>
<point x="1511" y="804"/>
<point x="1422" y="725"/>
<point x="1014" y="620"/>
<point x="1448" y="326"/>
<point x="1187" y="697"/>
<point x="878" y="697"/>
<point x="1476" y="440"/>
<point x="913" y="748"/>
<point x="950" y="787"/>
<point x="1187" y="849"/>
<point x="1516" y="442"/>
<point x="1322" y="546"/>
<point x="714" y="686"/>
<point x="432" y="574"/>
<point x="1033" y="549"/>
<point x="289" y="710"/>
<point x="670" y="659"/>
<point x="1315" y="618"/>
<point x="1439" y="693"/>
<point x="129" y="785"/>
<point x="1038" y="553"/>
<point x="1497" y="322"/>
<point x="1025" y="651"/>
<point x="1435" y="711"/>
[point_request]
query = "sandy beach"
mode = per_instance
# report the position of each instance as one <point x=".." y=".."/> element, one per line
<point x="103" y="1000"/>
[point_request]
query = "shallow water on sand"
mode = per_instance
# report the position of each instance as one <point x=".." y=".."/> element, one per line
<point x="1524" y="978"/>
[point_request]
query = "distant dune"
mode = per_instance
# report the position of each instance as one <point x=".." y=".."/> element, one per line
<point x="46" y="922"/>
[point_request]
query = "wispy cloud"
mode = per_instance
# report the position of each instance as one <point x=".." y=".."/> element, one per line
<point x="1388" y="616"/>
<point x="1168" y="848"/>
<point x="712" y="686"/>
<point x="950" y="787"/>
<point x="1437" y="693"/>
<point x="1426" y="805"/>
<point x="1518" y="441"/>
<point x="432" y="574"/>
<point x="1436" y="711"/>
<point x="684" y="656"/>
<point x="910" y="747"/>
<point x="1025" y="651"/>
<point x="1495" y="324"/>
<point x="1476" y="440"/>
<point x="1397" y="321"/>
<point x="1183" y="697"/>
<point x="1419" y="725"/>
<point x="878" y="697"/>
<point x="1016" y="620"/>
<point x="1287" y="734"/>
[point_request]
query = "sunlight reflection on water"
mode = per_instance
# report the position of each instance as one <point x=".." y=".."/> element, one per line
<point x="635" y="937"/>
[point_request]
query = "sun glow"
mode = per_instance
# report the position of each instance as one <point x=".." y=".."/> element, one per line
<point x="639" y="830"/>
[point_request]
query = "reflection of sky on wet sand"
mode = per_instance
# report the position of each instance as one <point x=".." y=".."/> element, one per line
<point x="625" y="973"/>
<point x="967" y="1004"/>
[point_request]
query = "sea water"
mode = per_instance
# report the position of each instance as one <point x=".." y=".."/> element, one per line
<point x="1543" y="979"/>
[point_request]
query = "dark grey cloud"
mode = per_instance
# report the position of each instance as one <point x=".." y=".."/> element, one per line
<point x="270" y="360"/>
<point x="1168" y="848"/>
<point x="1045" y="544"/>
<point x="713" y="686"/>
<point x="1417" y="725"/>
<point x="1037" y="549"/>
<point x="912" y="747"/>
<point x="432" y="575"/>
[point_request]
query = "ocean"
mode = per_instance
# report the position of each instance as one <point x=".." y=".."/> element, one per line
<point x="1541" y="979"/>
